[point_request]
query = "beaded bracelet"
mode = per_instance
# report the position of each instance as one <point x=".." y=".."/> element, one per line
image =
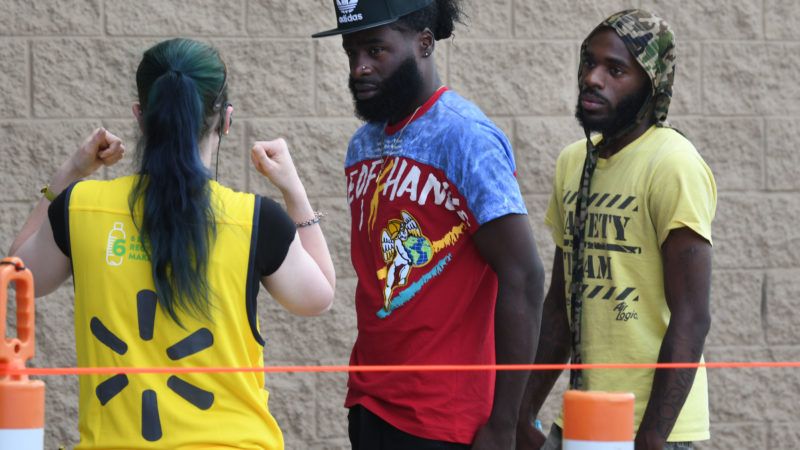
<point x="48" y="194"/>
<point x="317" y="217"/>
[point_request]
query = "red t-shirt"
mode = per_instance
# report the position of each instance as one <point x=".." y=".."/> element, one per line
<point x="437" y="180"/>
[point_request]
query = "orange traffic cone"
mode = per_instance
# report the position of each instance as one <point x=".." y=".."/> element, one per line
<point x="21" y="399"/>
<point x="598" y="421"/>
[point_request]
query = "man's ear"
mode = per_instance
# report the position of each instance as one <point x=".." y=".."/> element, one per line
<point x="137" y="113"/>
<point x="427" y="42"/>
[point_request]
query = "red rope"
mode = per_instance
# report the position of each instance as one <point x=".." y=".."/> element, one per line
<point x="54" y="371"/>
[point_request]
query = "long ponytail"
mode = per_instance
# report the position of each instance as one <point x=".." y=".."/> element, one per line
<point x="180" y="84"/>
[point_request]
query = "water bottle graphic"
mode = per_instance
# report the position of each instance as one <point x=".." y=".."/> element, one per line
<point x="115" y="250"/>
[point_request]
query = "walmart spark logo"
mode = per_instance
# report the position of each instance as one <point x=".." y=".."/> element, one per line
<point x="147" y="302"/>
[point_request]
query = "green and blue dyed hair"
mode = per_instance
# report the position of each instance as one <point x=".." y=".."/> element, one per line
<point x="182" y="88"/>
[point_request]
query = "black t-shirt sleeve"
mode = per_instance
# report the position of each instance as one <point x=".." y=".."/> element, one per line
<point x="276" y="231"/>
<point x="58" y="213"/>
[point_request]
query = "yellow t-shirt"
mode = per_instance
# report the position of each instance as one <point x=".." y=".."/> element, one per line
<point x="655" y="184"/>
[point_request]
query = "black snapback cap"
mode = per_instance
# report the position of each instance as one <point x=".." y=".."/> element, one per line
<point x="358" y="15"/>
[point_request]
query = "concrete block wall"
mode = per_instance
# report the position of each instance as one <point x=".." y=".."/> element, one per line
<point x="67" y="66"/>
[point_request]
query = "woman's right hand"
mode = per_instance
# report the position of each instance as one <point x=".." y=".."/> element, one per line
<point x="308" y="258"/>
<point x="272" y="159"/>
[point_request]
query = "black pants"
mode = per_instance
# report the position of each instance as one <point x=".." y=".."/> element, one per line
<point x="370" y="432"/>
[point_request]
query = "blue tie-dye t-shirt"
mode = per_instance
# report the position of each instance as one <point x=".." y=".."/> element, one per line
<point x="417" y="192"/>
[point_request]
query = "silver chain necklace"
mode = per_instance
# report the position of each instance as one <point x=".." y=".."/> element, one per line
<point x="398" y="140"/>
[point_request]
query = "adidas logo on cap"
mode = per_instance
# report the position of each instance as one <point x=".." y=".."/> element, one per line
<point x="346" y="7"/>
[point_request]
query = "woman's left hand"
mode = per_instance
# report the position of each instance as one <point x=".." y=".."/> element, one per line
<point x="101" y="148"/>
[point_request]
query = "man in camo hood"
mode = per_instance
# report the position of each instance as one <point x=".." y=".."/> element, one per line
<point x="631" y="216"/>
<point x="650" y="41"/>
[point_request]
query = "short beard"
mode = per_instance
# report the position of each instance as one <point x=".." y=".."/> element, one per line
<point x="396" y="94"/>
<point x="623" y="115"/>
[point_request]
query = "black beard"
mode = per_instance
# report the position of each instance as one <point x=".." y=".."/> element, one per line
<point x="396" y="94"/>
<point x="623" y="115"/>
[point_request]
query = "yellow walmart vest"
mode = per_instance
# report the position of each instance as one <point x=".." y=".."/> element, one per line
<point x="118" y="323"/>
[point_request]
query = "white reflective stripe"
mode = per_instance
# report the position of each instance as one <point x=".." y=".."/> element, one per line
<point x="24" y="439"/>
<point x="597" y="445"/>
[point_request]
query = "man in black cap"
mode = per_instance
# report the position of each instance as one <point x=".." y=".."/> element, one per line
<point x="448" y="271"/>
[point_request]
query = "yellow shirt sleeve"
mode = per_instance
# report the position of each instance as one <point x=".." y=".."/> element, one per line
<point x="682" y="194"/>
<point x="554" y="218"/>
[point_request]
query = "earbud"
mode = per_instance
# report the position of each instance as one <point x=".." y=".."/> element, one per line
<point x="227" y="118"/>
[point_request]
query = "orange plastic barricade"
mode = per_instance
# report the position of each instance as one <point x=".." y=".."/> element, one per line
<point x="598" y="421"/>
<point x="21" y="399"/>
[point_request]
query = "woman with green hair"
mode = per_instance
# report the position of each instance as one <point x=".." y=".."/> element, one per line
<point x="166" y="265"/>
